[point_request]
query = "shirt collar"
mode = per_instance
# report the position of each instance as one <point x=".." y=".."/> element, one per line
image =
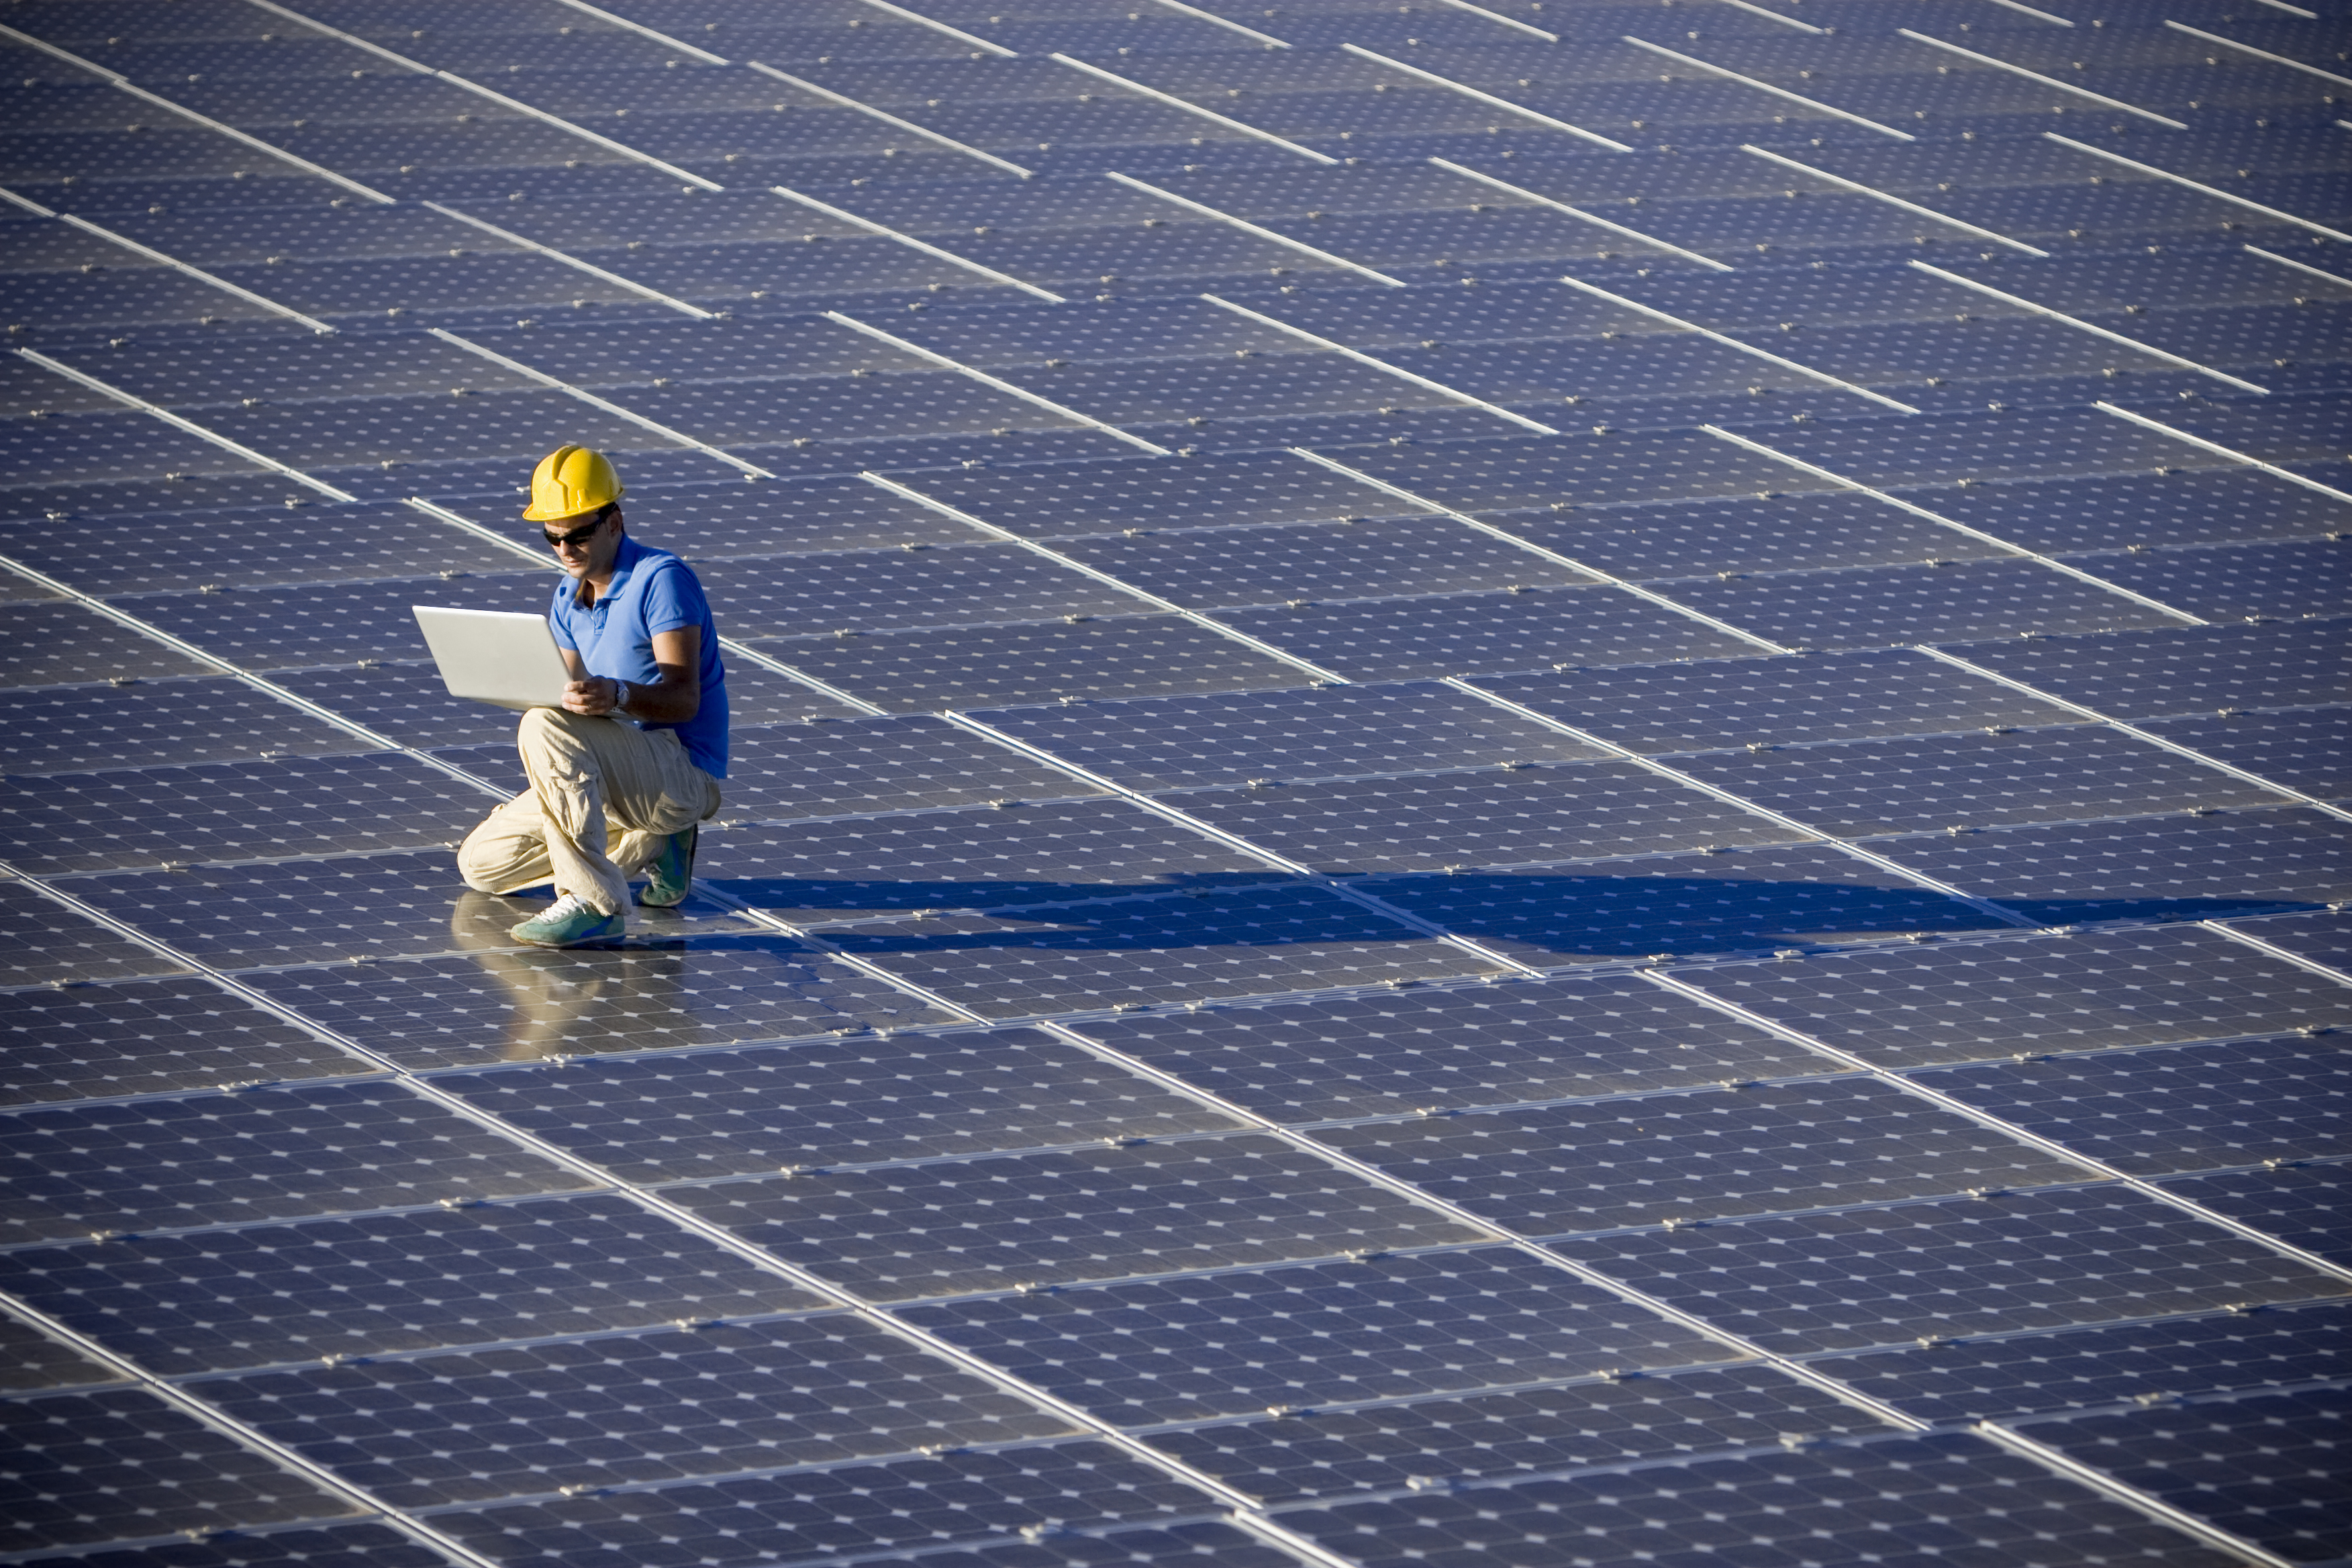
<point x="624" y="560"/>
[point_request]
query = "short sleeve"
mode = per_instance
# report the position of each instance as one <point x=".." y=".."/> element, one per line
<point x="558" y="622"/>
<point x="673" y="599"/>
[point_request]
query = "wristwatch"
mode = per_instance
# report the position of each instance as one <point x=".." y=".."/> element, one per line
<point x="620" y="695"/>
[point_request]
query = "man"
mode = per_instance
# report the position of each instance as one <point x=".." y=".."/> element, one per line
<point x="640" y="743"/>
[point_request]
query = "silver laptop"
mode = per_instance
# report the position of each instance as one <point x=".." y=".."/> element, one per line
<point x="495" y="656"/>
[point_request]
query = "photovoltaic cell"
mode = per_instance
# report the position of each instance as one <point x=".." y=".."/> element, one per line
<point x="1748" y="900"/>
<point x="2302" y="1203"/>
<point x="979" y="1500"/>
<point x="49" y="943"/>
<point x="232" y="810"/>
<point x="2159" y="674"/>
<point x="1954" y="1486"/>
<point x="999" y="1222"/>
<point x="1866" y="787"/>
<point x="1964" y="1266"/>
<point x="1495" y="1435"/>
<point x="1487" y="1044"/>
<point x="1980" y="1001"/>
<point x="395" y="1283"/>
<point x="74" y="728"/>
<point x="1427" y="822"/>
<point x="860" y="1101"/>
<point x="1335" y="731"/>
<point x="1207" y="944"/>
<point x="1885" y="606"/>
<point x="2264" y="1465"/>
<point x="2303" y="751"/>
<point x="2181" y="1107"/>
<point x="984" y="667"/>
<point x="119" y="1464"/>
<point x="1231" y="1344"/>
<point x="980" y="858"/>
<point x="494" y="1001"/>
<point x="273" y="1153"/>
<point x="1821" y="697"/>
<point x="147" y="1036"/>
<point x="1409" y="638"/>
<point x="2322" y="938"/>
<point x="2156" y="1362"/>
<point x="2227" y="863"/>
<point x="785" y="1392"/>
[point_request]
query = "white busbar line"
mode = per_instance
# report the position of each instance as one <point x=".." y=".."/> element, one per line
<point x="1754" y="808"/>
<point x="219" y="666"/>
<point x="1912" y="207"/>
<point x="1248" y="227"/>
<point x="515" y="104"/>
<point x="289" y="1458"/>
<point x="1774" y="15"/>
<point x="1542" y="552"/>
<point x="2015" y="70"/>
<point x="2288" y="60"/>
<point x="1825" y="377"/>
<point x="1193" y="108"/>
<point x="2298" y="265"/>
<point x="1512" y="22"/>
<point x="661" y="1203"/>
<point x="843" y="100"/>
<point x="123" y="84"/>
<point x="1145" y="596"/>
<point x="188" y="426"/>
<point x="173" y="262"/>
<point x="1815" y="104"/>
<point x="2090" y="1477"/>
<point x="558" y="383"/>
<point x="1487" y="97"/>
<point x="2230" y="452"/>
<point x="939" y="26"/>
<point x="1576" y="211"/>
<point x="1988" y="291"/>
<point x="705" y="56"/>
<point x="1268" y="39"/>
<point x="199" y="274"/>
<point x="1329" y="345"/>
<point x="1940" y="521"/>
<point x="656" y="295"/>
<point x="909" y="240"/>
<point x="2025" y="10"/>
<point x="2213" y="191"/>
<point x="2148" y="737"/>
<point x="998" y="382"/>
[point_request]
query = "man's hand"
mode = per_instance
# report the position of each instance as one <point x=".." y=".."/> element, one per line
<point x="674" y="696"/>
<point x="594" y="697"/>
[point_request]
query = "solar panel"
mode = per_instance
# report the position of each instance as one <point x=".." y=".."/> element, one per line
<point x="1524" y="782"/>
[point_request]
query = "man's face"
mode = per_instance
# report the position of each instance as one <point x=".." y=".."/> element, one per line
<point x="585" y="545"/>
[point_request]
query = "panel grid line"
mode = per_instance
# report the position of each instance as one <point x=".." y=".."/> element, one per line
<point x="2049" y="562"/>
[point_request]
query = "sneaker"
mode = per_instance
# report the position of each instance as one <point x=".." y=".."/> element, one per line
<point x="671" y="875"/>
<point x="570" y="921"/>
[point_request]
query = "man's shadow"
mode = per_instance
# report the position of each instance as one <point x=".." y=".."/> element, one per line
<point x="1551" y="915"/>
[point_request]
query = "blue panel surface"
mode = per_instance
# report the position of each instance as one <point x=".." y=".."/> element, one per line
<point x="1441" y="720"/>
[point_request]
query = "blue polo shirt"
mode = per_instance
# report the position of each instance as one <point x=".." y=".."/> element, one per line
<point x="652" y="590"/>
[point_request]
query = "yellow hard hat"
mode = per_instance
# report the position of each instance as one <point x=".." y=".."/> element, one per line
<point x="569" y="481"/>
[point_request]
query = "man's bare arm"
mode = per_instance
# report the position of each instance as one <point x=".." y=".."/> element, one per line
<point x="673" y="699"/>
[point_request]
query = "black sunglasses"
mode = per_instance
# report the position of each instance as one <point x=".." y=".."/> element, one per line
<point x="580" y="535"/>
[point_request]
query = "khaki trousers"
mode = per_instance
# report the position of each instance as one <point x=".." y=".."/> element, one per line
<point x="585" y="774"/>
